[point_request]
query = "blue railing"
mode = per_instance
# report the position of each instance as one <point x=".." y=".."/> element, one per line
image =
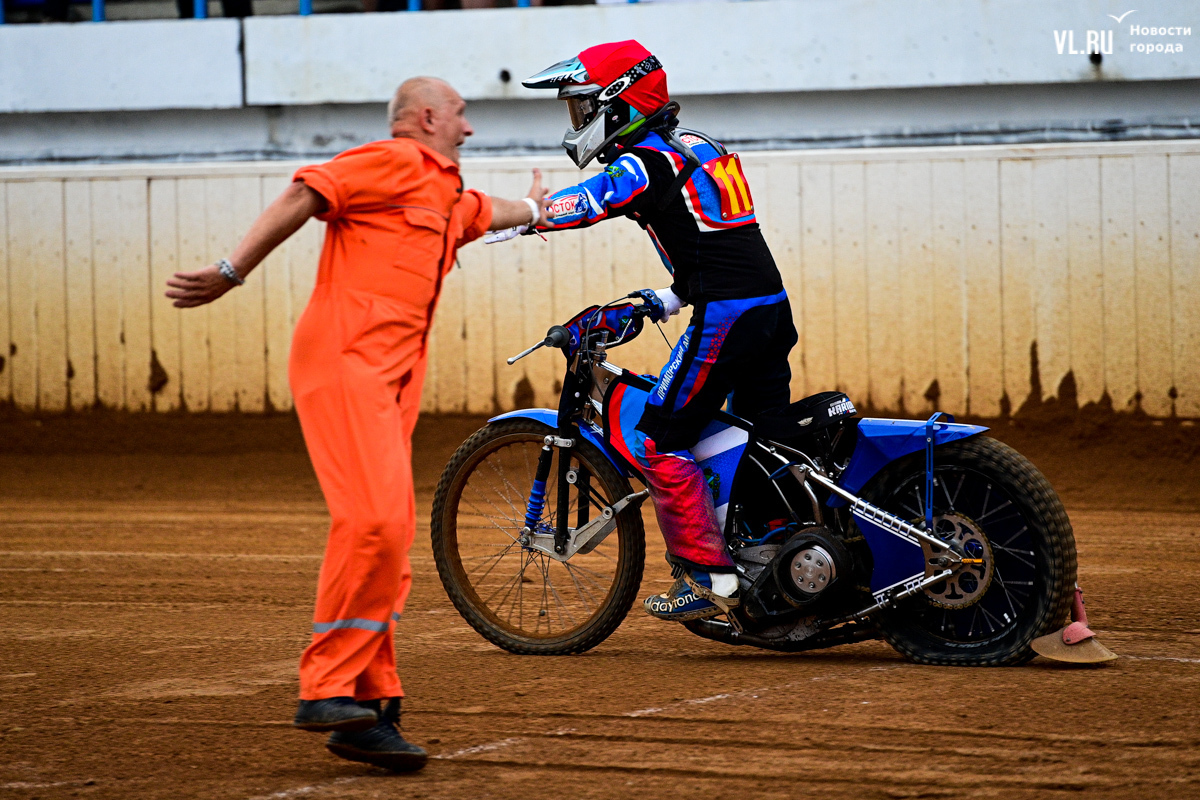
<point x="200" y="8"/>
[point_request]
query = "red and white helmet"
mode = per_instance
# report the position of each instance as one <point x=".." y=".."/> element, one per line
<point x="610" y="89"/>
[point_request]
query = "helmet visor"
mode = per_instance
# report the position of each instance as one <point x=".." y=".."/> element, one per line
<point x="582" y="110"/>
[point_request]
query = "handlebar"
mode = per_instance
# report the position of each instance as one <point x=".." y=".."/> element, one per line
<point x="559" y="337"/>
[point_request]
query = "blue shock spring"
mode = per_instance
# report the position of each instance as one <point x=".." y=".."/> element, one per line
<point x="536" y="504"/>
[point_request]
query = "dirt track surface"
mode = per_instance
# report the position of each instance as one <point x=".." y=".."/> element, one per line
<point x="153" y="604"/>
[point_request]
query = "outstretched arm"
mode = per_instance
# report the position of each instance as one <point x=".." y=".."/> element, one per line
<point x="280" y="220"/>
<point x="616" y="190"/>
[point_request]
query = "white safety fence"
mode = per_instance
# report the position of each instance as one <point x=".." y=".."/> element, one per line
<point x="768" y="46"/>
<point x="955" y="278"/>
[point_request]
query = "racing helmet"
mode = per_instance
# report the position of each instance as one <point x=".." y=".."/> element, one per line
<point x="611" y="89"/>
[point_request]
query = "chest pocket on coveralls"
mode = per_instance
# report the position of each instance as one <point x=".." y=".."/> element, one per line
<point x="422" y="245"/>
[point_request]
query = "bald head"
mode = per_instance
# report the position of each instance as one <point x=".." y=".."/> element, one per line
<point x="417" y="94"/>
<point x="431" y="112"/>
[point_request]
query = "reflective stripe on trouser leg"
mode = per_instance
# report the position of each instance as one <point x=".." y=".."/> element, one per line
<point x="379" y="680"/>
<point x="360" y="624"/>
<point x="684" y="506"/>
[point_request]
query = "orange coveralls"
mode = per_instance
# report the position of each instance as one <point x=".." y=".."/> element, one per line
<point x="397" y="214"/>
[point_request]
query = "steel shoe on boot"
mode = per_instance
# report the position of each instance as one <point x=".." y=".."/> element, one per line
<point x="690" y="597"/>
<point x="382" y="745"/>
<point x="334" y="714"/>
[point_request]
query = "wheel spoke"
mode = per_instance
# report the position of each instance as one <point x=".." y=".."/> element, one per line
<point x="545" y="606"/>
<point x="515" y="579"/>
<point x="584" y="572"/>
<point x="1017" y="555"/>
<point x="521" y="593"/>
<point x="595" y="577"/>
<point x="989" y="619"/>
<point x="491" y="527"/>
<point x="958" y="491"/>
<point x="558" y="597"/>
<point x="945" y="491"/>
<point x="497" y="559"/>
<point x="499" y="512"/>
<point x="1008" y="595"/>
<point x="982" y="506"/>
<point x="1011" y="539"/>
<point x="1000" y="507"/>
<point x="584" y="595"/>
<point x="986" y="498"/>
<point x="494" y="524"/>
<point x="498" y="467"/>
<point x="502" y="492"/>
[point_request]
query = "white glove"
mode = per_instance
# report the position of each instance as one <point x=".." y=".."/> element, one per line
<point x="505" y="235"/>
<point x="670" y="300"/>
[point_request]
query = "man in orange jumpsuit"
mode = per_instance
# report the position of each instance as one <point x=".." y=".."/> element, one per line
<point x="397" y="212"/>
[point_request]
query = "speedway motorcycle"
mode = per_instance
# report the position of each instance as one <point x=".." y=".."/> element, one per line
<point x="947" y="544"/>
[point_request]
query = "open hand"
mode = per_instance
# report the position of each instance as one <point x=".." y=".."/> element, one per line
<point x="191" y="289"/>
<point x="540" y="196"/>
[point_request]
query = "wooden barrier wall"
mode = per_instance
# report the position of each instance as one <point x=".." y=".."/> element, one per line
<point x="962" y="278"/>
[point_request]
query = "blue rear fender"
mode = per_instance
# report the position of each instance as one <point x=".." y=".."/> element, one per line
<point x="549" y="418"/>
<point x="882" y="441"/>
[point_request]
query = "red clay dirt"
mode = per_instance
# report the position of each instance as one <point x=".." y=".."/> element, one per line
<point x="156" y="580"/>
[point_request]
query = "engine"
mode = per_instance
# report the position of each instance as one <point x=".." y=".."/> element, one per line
<point x="799" y="577"/>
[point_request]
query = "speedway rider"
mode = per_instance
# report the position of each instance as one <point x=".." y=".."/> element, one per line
<point x="692" y="198"/>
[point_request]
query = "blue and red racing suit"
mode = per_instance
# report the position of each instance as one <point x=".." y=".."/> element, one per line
<point x="740" y="332"/>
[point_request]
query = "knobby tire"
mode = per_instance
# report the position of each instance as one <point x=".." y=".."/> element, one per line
<point x="612" y="485"/>
<point x="1055" y="559"/>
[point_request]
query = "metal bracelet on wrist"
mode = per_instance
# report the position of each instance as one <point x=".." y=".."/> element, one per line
<point x="229" y="273"/>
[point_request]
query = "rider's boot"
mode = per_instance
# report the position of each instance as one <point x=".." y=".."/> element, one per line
<point x="695" y="595"/>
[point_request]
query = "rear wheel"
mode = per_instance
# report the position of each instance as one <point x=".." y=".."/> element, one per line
<point x="1001" y="512"/>
<point x="516" y="597"/>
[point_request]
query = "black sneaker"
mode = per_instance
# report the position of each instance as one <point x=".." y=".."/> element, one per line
<point x="334" y="714"/>
<point x="382" y="745"/>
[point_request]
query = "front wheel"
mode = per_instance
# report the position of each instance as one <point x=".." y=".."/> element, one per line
<point x="998" y="509"/>
<point x="517" y="597"/>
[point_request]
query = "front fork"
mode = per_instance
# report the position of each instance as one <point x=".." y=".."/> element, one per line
<point x="537" y="494"/>
<point x="564" y="440"/>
